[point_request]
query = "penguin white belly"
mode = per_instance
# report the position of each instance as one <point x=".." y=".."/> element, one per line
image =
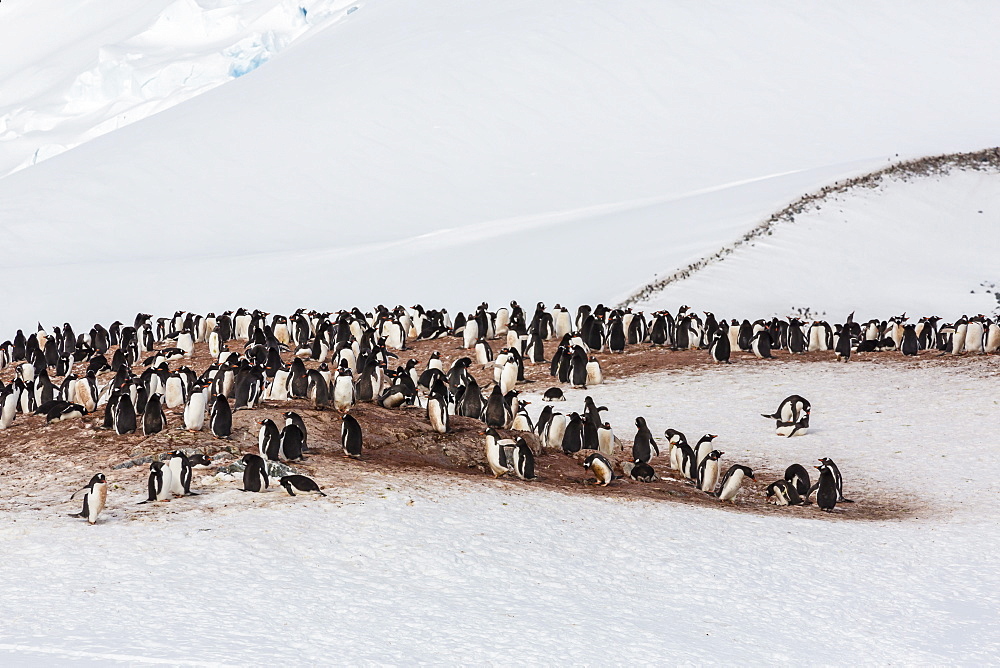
<point x="508" y="377"/>
<point x="555" y="431"/>
<point x="471" y="334"/>
<point x="174" y="393"/>
<point x="605" y="442"/>
<point x="514" y="340"/>
<point x="194" y="412"/>
<point x="186" y="343"/>
<point x="974" y="338"/>
<point x="675" y="457"/>
<point x="993" y="339"/>
<point x="494" y="448"/>
<point x="787" y="429"/>
<point x="498" y="365"/>
<point x="603" y="474"/>
<point x="281" y="333"/>
<point x="711" y="476"/>
<point x="732" y="486"/>
<point x="958" y="340"/>
<point x="214" y="344"/>
<point x="96" y="501"/>
<point x="521" y="423"/>
<point x="594" y="375"/>
<point x="9" y="410"/>
<point x="438" y="415"/>
<point x="563" y="326"/>
<point x="343" y="393"/>
<point x="482" y="354"/>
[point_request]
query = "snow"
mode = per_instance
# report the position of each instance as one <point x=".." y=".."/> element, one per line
<point x="404" y="569"/>
<point x="922" y="245"/>
<point x="106" y="64"/>
<point x="469" y="138"/>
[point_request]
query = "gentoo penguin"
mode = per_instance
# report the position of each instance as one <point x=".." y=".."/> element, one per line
<point x="180" y="474"/>
<point x="835" y="470"/>
<point x="495" y="453"/>
<point x="553" y="394"/>
<point x="708" y="471"/>
<point x="732" y="481"/>
<point x="798" y="477"/>
<point x="255" y="474"/>
<point x="910" y="344"/>
<point x="719" y="348"/>
<point x="497" y="414"/>
<point x="508" y="375"/>
<point x="783" y="493"/>
<point x="124" y="415"/>
<point x="555" y="431"/>
<point x="95" y="494"/>
<point x="825" y="488"/>
<point x="9" y="400"/>
<point x="640" y="471"/>
<point x="154" y="419"/>
<point x="221" y="419"/>
<point x="520" y="460"/>
<point x="605" y="440"/>
<point x="760" y="344"/>
<point x="437" y="412"/>
<point x="343" y="390"/>
<point x="350" y="436"/>
<point x="291" y="417"/>
<point x="572" y="440"/>
<point x="200" y="461"/>
<point x="60" y="410"/>
<point x="843" y="348"/>
<point x="600" y="466"/>
<point x="269" y="440"/>
<point x="644" y="447"/>
<point x="291" y="442"/>
<point x="300" y="483"/>
<point x="522" y="421"/>
<point x="594" y="374"/>
<point x="194" y="411"/>
<point x="792" y="416"/>
<point x="159" y="482"/>
<point x="703" y="447"/>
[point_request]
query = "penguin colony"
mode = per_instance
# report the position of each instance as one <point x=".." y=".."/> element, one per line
<point x="65" y="376"/>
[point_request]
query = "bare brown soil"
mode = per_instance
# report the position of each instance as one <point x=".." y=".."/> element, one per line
<point x="42" y="464"/>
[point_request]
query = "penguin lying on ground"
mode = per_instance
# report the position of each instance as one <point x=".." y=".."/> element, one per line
<point x="640" y="471"/>
<point x="300" y="483"/>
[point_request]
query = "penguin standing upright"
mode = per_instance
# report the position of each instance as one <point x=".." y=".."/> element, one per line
<point x="605" y="439"/>
<point x="760" y="344"/>
<point x="719" y="348"/>
<point x="180" y="474"/>
<point x="350" y="436"/>
<point x="124" y="415"/>
<point x="520" y="460"/>
<point x="843" y="347"/>
<point x="594" y="374"/>
<point x="221" y="419"/>
<point x="291" y="442"/>
<point x="437" y="412"/>
<point x="255" y="474"/>
<point x="644" y="447"/>
<point x="269" y="440"/>
<point x="95" y="495"/>
<point x="909" y="345"/>
<point x="496" y="456"/>
<point x="838" y="479"/>
<point x="708" y="471"/>
<point x="825" y="488"/>
<point x="702" y="448"/>
<point x="159" y="482"/>
<point x="194" y="411"/>
<point x="154" y="420"/>
<point x="732" y="481"/>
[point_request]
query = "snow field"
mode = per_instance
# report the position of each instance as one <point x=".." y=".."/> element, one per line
<point x="407" y="568"/>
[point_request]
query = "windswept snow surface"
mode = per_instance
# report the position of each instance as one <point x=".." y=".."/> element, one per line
<point x="489" y="151"/>
<point x="922" y="245"/>
<point x="75" y="70"/>
<point x="405" y="569"/>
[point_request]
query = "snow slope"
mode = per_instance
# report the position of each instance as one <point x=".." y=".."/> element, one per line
<point x="78" y="70"/>
<point x="621" y="140"/>
<point x="923" y="245"/>
<point x="400" y="569"/>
